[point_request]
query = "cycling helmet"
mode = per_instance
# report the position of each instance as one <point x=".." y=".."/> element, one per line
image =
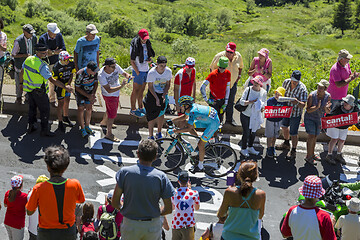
<point x="190" y="61"/>
<point x="186" y="100"/>
<point x="64" y="55"/>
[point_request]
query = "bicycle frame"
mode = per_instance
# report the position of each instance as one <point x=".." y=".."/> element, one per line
<point x="183" y="145"/>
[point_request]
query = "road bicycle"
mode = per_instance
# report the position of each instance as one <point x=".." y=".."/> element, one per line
<point x="220" y="159"/>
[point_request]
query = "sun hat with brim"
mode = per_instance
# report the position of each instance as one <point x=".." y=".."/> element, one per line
<point x="349" y="99"/>
<point x="353" y="204"/>
<point x="264" y="52"/>
<point x="223" y="62"/>
<point x="258" y="79"/>
<point x="312" y="187"/>
<point x="16" y="181"/>
<point x="323" y="83"/>
<point x="281" y="91"/>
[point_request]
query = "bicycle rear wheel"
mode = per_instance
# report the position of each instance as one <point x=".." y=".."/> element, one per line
<point x="169" y="156"/>
<point x="219" y="159"/>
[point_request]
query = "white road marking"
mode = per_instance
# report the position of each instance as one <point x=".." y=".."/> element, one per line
<point x="100" y="198"/>
<point x="107" y="181"/>
<point x="202" y="225"/>
<point x="350" y="168"/>
<point x="3" y="116"/>
<point x="216" y="198"/>
<point x="351" y="178"/>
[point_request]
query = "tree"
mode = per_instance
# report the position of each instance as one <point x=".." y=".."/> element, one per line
<point x="342" y="15"/>
<point x="357" y="14"/>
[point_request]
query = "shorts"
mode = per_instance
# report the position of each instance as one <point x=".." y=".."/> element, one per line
<point x="81" y="99"/>
<point x="153" y="111"/>
<point x="61" y="93"/>
<point x="337" y="133"/>
<point x="141" y="78"/>
<point x="272" y="129"/>
<point x="293" y="123"/>
<point x="312" y="127"/>
<point x="210" y="128"/>
<point x="112" y="104"/>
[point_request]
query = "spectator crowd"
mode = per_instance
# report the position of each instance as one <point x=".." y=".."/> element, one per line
<point x="137" y="207"/>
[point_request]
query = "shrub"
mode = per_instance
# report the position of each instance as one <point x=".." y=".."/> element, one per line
<point x="37" y="8"/>
<point x="11" y="3"/>
<point x="223" y="17"/>
<point x="121" y="26"/>
<point x="39" y="25"/>
<point x="7" y="14"/>
<point x="298" y="53"/>
<point x="183" y="47"/>
<point x="85" y="11"/>
<point x="318" y="26"/>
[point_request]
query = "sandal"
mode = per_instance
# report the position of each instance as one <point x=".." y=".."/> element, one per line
<point x="316" y="158"/>
<point x="112" y="138"/>
<point x="310" y="160"/>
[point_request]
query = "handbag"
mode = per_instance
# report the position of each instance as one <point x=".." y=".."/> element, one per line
<point x="238" y="105"/>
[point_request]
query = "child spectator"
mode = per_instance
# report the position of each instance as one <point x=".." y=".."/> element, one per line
<point x="34" y="219"/>
<point x="110" y="209"/>
<point x="318" y="103"/>
<point x="86" y="84"/>
<point x="272" y="128"/>
<point x="63" y="70"/>
<point x="338" y="135"/>
<point x="87" y="221"/>
<point x="15" y="202"/>
<point x="214" y="231"/>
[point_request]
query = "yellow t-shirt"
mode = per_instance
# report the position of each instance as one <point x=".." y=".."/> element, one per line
<point x="233" y="67"/>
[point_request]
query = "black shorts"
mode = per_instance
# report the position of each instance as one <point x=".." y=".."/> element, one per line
<point x="81" y="99"/>
<point x="153" y="111"/>
<point x="61" y="93"/>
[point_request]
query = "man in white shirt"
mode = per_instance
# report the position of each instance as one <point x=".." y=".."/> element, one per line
<point x="110" y="89"/>
<point x="350" y="224"/>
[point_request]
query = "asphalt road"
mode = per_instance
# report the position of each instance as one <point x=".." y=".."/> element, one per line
<point x="95" y="161"/>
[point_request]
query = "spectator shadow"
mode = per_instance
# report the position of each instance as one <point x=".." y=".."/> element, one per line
<point x="29" y="147"/>
<point x="333" y="171"/>
<point x="280" y="172"/>
<point x="306" y="170"/>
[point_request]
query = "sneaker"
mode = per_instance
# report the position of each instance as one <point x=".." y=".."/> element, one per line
<point x="274" y="152"/>
<point x="67" y="120"/>
<point x="61" y="126"/>
<point x="159" y="135"/>
<point x="245" y="152"/>
<point x="151" y="137"/>
<point x="291" y="155"/>
<point x="84" y="133"/>
<point x="89" y="130"/>
<point x="142" y="110"/>
<point x="269" y="152"/>
<point x="136" y="113"/>
<point x="330" y="160"/>
<point x="283" y="146"/>
<point x="340" y="159"/>
<point x="195" y="169"/>
<point x="252" y="151"/>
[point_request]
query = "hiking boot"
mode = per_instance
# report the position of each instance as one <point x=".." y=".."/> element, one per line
<point x="330" y="160"/>
<point x="32" y="128"/>
<point x="67" y="120"/>
<point x="84" y="133"/>
<point x="252" y="151"/>
<point x="283" y="146"/>
<point x="340" y="159"/>
<point x="291" y="155"/>
<point x="269" y="152"/>
<point x="89" y="130"/>
<point x="61" y="126"/>
<point x="245" y="152"/>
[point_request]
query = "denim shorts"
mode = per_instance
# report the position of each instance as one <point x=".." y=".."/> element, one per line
<point x="293" y="123"/>
<point x="312" y="127"/>
<point x="141" y="78"/>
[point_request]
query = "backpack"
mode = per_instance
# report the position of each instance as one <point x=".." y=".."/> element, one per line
<point x="87" y="227"/>
<point x="107" y="227"/>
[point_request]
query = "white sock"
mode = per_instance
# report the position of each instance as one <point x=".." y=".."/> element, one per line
<point x="200" y="165"/>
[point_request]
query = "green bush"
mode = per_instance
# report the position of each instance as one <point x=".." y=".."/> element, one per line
<point x="39" y="25"/>
<point x="120" y="26"/>
<point x="183" y="47"/>
<point x="37" y="8"/>
<point x="223" y="16"/>
<point x="85" y="11"/>
<point x="7" y="14"/>
<point x="317" y="26"/>
<point x="11" y="3"/>
<point x="298" y="53"/>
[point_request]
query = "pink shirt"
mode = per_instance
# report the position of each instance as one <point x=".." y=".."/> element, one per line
<point x="308" y="223"/>
<point x="259" y="70"/>
<point x="338" y="73"/>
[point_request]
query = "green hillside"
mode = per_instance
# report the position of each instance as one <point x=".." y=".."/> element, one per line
<point x="299" y="36"/>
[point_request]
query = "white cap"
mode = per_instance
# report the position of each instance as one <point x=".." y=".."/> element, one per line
<point x="52" y="27"/>
<point x="110" y="194"/>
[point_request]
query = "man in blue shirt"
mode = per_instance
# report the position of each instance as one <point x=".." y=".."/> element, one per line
<point x="55" y="43"/>
<point x="87" y="48"/>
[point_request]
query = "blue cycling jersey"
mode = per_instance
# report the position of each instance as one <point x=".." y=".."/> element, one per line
<point x="205" y="114"/>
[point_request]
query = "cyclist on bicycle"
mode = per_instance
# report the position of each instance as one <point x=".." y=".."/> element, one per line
<point x="197" y="116"/>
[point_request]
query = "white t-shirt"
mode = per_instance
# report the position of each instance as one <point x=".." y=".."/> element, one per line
<point x="159" y="80"/>
<point x="350" y="226"/>
<point x="144" y="66"/>
<point x="217" y="230"/>
<point x="33" y="219"/>
<point x="184" y="202"/>
<point x="3" y="39"/>
<point x="112" y="79"/>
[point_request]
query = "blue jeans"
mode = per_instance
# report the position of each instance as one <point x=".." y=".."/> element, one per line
<point x="312" y="127"/>
<point x="293" y="123"/>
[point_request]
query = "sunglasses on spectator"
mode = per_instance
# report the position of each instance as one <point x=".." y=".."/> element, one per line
<point x="221" y="68"/>
<point x="230" y="52"/>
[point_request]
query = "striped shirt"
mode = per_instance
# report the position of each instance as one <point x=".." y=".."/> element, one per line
<point x="299" y="92"/>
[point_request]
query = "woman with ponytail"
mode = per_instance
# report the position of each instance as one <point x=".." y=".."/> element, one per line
<point x="15" y="202"/>
<point x="243" y="205"/>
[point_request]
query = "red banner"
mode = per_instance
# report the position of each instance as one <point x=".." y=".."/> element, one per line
<point x="339" y="120"/>
<point x="277" y="112"/>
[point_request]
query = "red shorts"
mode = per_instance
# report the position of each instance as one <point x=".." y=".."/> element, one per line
<point x="112" y="104"/>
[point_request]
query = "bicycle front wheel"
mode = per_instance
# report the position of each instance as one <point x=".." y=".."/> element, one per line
<point x="169" y="156"/>
<point x="219" y="159"/>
